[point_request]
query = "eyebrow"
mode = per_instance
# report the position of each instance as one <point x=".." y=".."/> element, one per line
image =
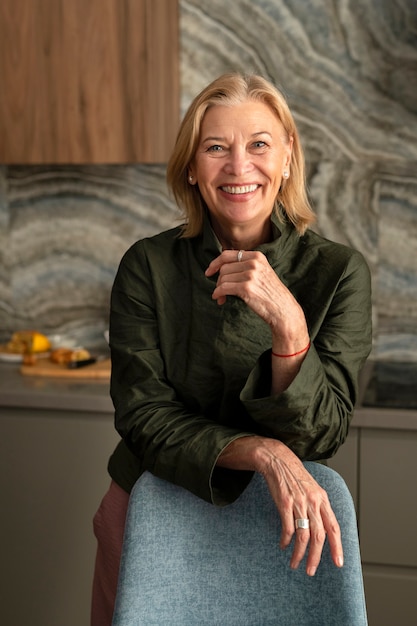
<point x="212" y="139"/>
<point x="254" y="135"/>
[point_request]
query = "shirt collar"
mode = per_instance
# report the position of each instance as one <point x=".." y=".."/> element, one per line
<point x="208" y="246"/>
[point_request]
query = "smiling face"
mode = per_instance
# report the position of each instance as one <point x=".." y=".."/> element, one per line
<point x="239" y="165"/>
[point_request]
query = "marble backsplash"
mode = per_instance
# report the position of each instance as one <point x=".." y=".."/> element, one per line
<point x="349" y="71"/>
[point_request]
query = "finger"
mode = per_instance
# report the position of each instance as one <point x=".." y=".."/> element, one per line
<point x="315" y="549"/>
<point x="334" y="537"/>
<point x="234" y="256"/>
<point x="220" y="299"/>
<point x="323" y="524"/>
<point x="230" y="282"/>
<point x="302" y="539"/>
<point x="227" y="256"/>
<point x="229" y="288"/>
<point x="287" y="526"/>
<point x="302" y="534"/>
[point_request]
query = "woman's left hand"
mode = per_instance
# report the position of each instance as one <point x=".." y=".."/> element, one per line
<point x="252" y="279"/>
<point x="249" y="276"/>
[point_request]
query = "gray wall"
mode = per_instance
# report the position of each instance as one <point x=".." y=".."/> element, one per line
<point x="349" y="71"/>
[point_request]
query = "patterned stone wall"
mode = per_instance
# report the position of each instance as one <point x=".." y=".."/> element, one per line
<point x="349" y="71"/>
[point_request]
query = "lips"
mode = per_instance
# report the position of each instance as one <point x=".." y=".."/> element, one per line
<point x="239" y="189"/>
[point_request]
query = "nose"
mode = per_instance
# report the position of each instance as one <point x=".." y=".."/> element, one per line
<point x="238" y="162"/>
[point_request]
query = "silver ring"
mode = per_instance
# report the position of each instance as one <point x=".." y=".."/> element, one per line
<point x="240" y="255"/>
<point x="302" y="523"/>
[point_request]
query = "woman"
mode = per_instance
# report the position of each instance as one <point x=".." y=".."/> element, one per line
<point x="237" y="338"/>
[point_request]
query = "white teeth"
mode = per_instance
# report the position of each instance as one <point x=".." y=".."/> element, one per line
<point x="241" y="189"/>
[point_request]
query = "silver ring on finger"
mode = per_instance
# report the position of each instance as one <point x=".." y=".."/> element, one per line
<point x="303" y="523"/>
<point x="239" y="255"/>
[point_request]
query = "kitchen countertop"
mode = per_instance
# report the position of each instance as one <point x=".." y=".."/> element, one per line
<point x="390" y="384"/>
<point x="36" y="392"/>
<point x="32" y="392"/>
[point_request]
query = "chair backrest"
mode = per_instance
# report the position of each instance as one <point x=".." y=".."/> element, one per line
<point x="188" y="563"/>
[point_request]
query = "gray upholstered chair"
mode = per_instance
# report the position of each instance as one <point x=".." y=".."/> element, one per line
<point x="188" y="563"/>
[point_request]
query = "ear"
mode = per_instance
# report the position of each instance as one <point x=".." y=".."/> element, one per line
<point x="288" y="155"/>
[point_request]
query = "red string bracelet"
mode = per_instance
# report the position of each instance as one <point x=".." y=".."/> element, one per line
<point x="287" y="356"/>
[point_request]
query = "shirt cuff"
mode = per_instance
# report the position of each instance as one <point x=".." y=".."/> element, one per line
<point x="288" y="406"/>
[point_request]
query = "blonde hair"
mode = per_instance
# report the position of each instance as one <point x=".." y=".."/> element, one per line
<point x="231" y="89"/>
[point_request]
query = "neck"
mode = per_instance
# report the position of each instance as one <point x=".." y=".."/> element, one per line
<point x="241" y="239"/>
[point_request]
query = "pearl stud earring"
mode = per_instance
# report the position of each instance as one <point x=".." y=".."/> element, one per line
<point x="190" y="178"/>
<point x="286" y="174"/>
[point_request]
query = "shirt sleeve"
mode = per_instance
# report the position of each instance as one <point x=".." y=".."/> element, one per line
<point x="313" y="414"/>
<point x="167" y="439"/>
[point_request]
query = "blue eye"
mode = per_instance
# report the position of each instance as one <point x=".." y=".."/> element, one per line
<point x="215" y="148"/>
<point x="259" y="144"/>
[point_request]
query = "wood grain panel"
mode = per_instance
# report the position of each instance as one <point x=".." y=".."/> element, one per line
<point x="88" y="81"/>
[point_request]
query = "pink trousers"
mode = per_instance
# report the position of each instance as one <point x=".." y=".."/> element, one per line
<point x="109" y="523"/>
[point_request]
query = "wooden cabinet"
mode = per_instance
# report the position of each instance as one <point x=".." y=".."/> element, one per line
<point x="88" y="81"/>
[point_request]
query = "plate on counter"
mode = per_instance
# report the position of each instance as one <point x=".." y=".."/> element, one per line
<point x="11" y="357"/>
<point x="17" y="357"/>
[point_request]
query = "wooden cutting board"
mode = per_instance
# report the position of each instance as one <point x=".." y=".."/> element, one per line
<point x="45" y="367"/>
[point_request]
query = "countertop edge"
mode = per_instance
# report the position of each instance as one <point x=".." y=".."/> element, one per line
<point x="18" y="392"/>
<point x="385" y="418"/>
<point x="62" y="402"/>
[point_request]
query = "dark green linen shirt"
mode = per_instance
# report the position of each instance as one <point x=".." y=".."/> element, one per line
<point x="189" y="376"/>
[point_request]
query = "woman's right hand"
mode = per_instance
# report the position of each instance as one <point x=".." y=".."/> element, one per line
<point x="296" y="495"/>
